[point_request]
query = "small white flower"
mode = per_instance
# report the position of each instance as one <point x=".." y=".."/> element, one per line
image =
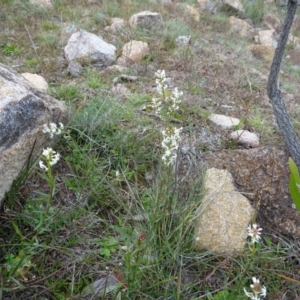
<point x="49" y="156"/>
<point x="157" y="105"/>
<point x="42" y="165"/>
<point x="258" y="291"/>
<point x="254" y="232"/>
<point x="53" y="129"/>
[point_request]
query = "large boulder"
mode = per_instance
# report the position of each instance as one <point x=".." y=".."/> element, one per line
<point x="89" y="47"/>
<point x="223" y="215"/>
<point x="23" y="112"/>
<point x="262" y="175"/>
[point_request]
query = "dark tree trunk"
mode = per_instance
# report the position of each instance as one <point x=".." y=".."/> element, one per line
<point x="274" y="91"/>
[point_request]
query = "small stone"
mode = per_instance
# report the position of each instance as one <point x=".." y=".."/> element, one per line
<point x="114" y="69"/>
<point x="147" y="20"/>
<point x="266" y="37"/>
<point x="37" y="82"/>
<point x="42" y="3"/>
<point x="246" y="138"/>
<point x="134" y="51"/>
<point x="126" y="77"/>
<point x="241" y="27"/>
<point x="120" y="90"/>
<point x="75" y="69"/>
<point x="116" y="26"/>
<point x="183" y="40"/>
<point x="223" y="121"/>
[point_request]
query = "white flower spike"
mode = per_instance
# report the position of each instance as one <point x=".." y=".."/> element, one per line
<point x="254" y="232"/>
<point x="258" y="291"/>
<point x="170" y="144"/>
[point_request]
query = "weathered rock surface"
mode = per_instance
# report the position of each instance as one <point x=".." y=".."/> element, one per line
<point x="91" y="48"/>
<point x="223" y="215"/>
<point x="146" y="20"/>
<point x="245" y="138"/>
<point x="223" y="121"/>
<point x="75" y="69"/>
<point x="234" y="6"/>
<point x="134" y="51"/>
<point x="262" y="174"/>
<point x="266" y="37"/>
<point x="262" y="51"/>
<point x="23" y="112"/>
<point x="241" y="27"/>
<point x="37" y="81"/>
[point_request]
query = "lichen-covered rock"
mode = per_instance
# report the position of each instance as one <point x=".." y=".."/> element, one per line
<point x="91" y="48"/>
<point x="23" y="112"/>
<point x="223" y="215"/>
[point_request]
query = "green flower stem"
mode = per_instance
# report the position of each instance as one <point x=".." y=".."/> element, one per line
<point x="51" y="184"/>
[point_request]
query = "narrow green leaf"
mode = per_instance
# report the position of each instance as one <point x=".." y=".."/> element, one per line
<point x="294" y="191"/>
<point x="294" y="170"/>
